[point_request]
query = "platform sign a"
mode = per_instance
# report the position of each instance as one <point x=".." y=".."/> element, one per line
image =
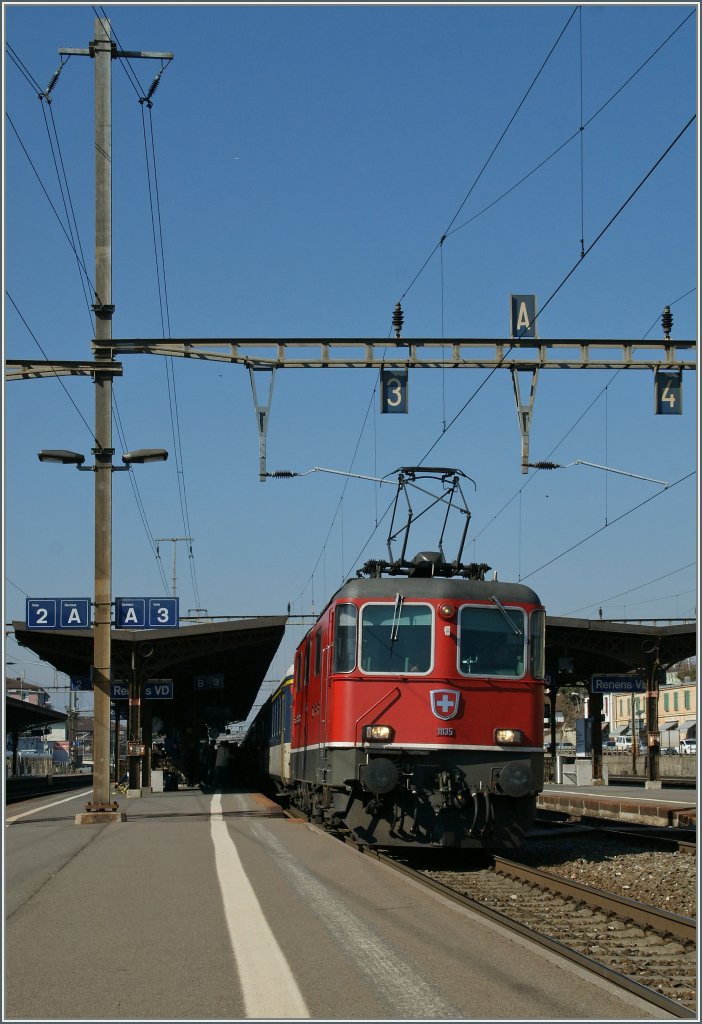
<point x="522" y="316"/>
<point x="74" y="613"/>
<point x="393" y="390"/>
<point x="667" y="392"/>
<point x="130" y="612"/>
<point x="58" y="613"/>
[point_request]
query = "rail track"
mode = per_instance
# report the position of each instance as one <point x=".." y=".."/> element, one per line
<point x="683" y="840"/>
<point x="26" y="787"/>
<point x="649" y="952"/>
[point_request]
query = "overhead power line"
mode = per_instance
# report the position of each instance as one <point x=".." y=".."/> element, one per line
<point x="567" y="277"/>
<point x="606" y="526"/>
<point x="492" y="153"/>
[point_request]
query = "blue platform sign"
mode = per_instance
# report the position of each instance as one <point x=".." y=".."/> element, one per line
<point x="146" y="612"/>
<point x="163" y="612"/>
<point x="213" y="682"/>
<point x="668" y="392"/>
<point x="119" y="690"/>
<point x="618" y="684"/>
<point x="74" y="613"/>
<point x="522" y="316"/>
<point x="158" y="689"/>
<point x="58" y="613"/>
<point x="130" y="612"/>
<point x="393" y="390"/>
<point x="81" y="683"/>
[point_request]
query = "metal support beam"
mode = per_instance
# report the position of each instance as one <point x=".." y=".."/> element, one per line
<point x="28" y="369"/>
<point x="262" y="413"/>
<point x="524" y="411"/>
<point x="423" y="353"/>
<point x="653" y="669"/>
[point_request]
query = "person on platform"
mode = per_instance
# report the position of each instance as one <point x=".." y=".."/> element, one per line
<point x="223" y="762"/>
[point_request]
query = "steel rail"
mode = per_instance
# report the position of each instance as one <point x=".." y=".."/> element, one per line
<point x="684" y="842"/>
<point x="649" y="995"/>
<point x="662" y="921"/>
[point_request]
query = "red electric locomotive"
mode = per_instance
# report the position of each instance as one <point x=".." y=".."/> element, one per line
<point x="417" y="707"/>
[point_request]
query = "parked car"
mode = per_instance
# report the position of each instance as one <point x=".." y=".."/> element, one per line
<point x="688" y="747"/>
<point x="609" y="745"/>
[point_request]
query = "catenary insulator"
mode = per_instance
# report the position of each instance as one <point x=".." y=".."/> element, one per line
<point x="543" y="465"/>
<point x="398" y="318"/>
<point x="667" y="322"/>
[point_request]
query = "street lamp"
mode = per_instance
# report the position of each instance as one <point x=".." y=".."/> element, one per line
<point x="102" y="628"/>
<point x="69" y="458"/>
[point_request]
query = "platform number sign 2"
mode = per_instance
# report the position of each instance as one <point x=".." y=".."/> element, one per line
<point x="393" y="390"/>
<point x="668" y="393"/>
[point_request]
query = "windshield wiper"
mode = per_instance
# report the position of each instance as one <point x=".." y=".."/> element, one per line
<point x="396" y="617"/>
<point x="498" y="604"/>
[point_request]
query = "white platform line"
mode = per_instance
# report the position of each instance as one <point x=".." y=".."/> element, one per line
<point x="267" y="983"/>
<point x="399" y="985"/>
<point x="45" y="807"/>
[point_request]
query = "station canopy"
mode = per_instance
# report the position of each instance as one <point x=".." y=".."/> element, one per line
<point x="217" y="668"/>
<point x="20" y="715"/>
<point x="577" y="649"/>
<point x="241" y="652"/>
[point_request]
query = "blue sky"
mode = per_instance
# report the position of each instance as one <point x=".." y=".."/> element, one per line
<point x="309" y="159"/>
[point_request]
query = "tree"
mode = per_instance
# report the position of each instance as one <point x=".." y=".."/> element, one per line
<point x="686" y="669"/>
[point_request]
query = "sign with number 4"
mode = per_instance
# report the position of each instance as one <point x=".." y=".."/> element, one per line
<point x="668" y="393"/>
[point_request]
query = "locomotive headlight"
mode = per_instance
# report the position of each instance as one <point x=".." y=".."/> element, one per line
<point x="446" y="611"/>
<point x="509" y="736"/>
<point x="378" y="733"/>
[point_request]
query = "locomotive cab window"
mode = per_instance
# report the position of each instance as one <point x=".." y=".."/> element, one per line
<point x="491" y="641"/>
<point x="396" y="637"/>
<point x="306" y="678"/>
<point x="317" y="652"/>
<point x="345" y="638"/>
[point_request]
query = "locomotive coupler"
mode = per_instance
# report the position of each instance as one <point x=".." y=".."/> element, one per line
<point x="444" y="786"/>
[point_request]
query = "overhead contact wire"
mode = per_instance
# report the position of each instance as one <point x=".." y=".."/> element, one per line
<point x="565" y="279"/>
<point x="492" y="153"/>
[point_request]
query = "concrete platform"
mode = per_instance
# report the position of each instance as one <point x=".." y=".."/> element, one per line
<point x="676" y="808"/>
<point x="219" y="907"/>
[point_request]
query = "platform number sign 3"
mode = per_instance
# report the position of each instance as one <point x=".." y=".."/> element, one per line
<point x="393" y="390"/>
<point x="668" y="393"/>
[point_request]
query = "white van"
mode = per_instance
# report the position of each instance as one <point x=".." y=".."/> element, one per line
<point x="623" y="743"/>
<point x="688" y="747"/>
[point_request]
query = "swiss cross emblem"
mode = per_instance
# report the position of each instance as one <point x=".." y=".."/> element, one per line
<point x="445" y="703"/>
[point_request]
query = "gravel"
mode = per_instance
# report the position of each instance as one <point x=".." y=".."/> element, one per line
<point x="659" y="878"/>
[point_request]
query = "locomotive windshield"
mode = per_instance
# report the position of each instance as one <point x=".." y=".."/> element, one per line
<point x="491" y="641"/>
<point x="396" y="638"/>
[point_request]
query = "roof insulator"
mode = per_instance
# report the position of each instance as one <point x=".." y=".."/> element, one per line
<point x="667" y="322"/>
<point x="398" y="319"/>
